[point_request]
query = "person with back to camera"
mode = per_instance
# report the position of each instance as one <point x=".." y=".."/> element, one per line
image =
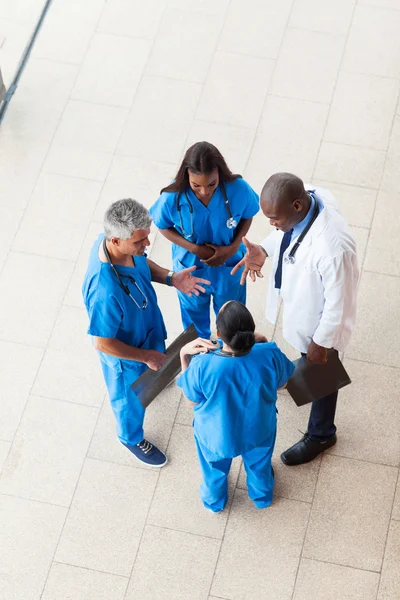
<point x="234" y="391"/>
<point x="205" y="213"/>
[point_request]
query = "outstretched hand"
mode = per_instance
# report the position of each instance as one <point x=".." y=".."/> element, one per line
<point x="186" y="283"/>
<point x="252" y="261"/>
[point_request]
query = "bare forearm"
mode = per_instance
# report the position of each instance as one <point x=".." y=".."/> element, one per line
<point x="241" y="231"/>
<point x="158" y="274"/>
<point x="115" y="347"/>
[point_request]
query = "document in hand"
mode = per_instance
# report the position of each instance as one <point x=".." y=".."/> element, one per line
<point x="312" y="382"/>
<point x="151" y="383"/>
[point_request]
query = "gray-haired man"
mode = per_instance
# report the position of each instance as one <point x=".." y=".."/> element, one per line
<point x="124" y="318"/>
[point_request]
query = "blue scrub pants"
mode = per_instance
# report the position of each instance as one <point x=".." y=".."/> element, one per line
<point x="196" y="309"/>
<point x="128" y="411"/>
<point x="260" y="480"/>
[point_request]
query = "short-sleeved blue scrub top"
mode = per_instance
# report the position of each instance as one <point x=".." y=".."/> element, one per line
<point x="209" y="226"/>
<point x="236" y="398"/>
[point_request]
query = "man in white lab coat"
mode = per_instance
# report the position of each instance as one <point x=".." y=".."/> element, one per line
<point x="315" y="272"/>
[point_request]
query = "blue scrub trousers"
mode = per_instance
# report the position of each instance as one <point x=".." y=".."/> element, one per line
<point x="260" y="479"/>
<point x="128" y="411"/>
<point x="196" y="309"/>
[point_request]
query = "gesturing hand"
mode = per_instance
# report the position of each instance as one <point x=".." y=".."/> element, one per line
<point x="252" y="261"/>
<point x="187" y="284"/>
<point x="317" y="355"/>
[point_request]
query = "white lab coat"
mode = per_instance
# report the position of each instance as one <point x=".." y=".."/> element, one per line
<point x="319" y="290"/>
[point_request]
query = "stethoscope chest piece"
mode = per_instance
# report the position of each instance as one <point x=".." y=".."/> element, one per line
<point x="290" y="260"/>
<point x="231" y="223"/>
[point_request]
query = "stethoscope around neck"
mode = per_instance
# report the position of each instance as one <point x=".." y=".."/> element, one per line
<point x="291" y="258"/>
<point x="145" y="301"/>
<point x="231" y="223"/>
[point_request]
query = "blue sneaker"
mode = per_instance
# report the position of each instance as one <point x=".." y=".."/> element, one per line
<point x="147" y="453"/>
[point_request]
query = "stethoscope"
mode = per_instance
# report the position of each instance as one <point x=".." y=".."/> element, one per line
<point x="290" y="259"/>
<point x="231" y="223"/>
<point x="121" y="283"/>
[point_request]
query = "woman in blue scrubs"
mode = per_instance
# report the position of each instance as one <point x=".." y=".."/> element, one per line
<point x="234" y="394"/>
<point x="205" y="213"/>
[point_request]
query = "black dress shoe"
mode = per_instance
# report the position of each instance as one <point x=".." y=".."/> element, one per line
<point x="306" y="450"/>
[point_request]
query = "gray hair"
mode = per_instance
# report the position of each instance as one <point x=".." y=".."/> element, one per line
<point x="124" y="217"/>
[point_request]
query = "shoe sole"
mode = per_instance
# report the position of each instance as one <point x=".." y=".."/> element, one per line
<point x="289" y="464"/>
<point x="148" y="464"/>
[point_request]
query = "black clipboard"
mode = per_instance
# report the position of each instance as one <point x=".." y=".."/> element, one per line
<point x="151" y="383"/>
<point x="312" y="382"/>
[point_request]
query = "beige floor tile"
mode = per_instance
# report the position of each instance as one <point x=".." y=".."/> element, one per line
<point x="157" y="130"/>
<point x="110" y="504"/>
<point x="362" y="110"/>
<point x="29" y="533"/>
<point x="76" y="162"/>
<point x="132" y="18"/>
<point x="90" y="11"/>
<point x="111" y="71"/>
<point x="158" y="425"/>
<point x="239" y="101"/>
<point x="390" y="180"/>
<point x="209" y="7"/>
<point x="261" y="550"/>
<point x="14" y="35"/>
<point x="131" y="177"/>
<point x="73" y="296"/>
<point x="346" y="164"/>
<point x="29" y="281"/>
<point x="66" y="582"/>
<point x="63" y="38"/>
<point x="234" y="143"/>
<point x="356" y="204"/>
<point x="382" y="255"/>
<point x="373" y="46"/>
<point x="261" y="25"/>
<point x="389" y="587"/>
<point x="38" y="104"/>
<point x="15" y="383"/>
<point x="396" y="505"/>
<point x="52" y="194"/>
<point x="4" y="450"/>
<point x="345" y="526"/>
<point x="298" y="65"/>
<point x="184" y="416"/>
<point x="393" y="4"/>
<point x="20" y="164"/>
<point x="288" y="139"/>
<point x="374" y="437"/>
<point x="71" y="368"/>
<point x="322" y="15"/>
<point x="48" y="450"/>
<point x="25" y="10"/>
<point x="375" y="339"/>
<point x="90" y="126"/>
<point x="176" y="503"/>
<point x="178" y="30"/>
<point x="336" y="581"/>
<point x="10" y="220"/>
<point x="293" y="483"/>
<point x="188" y="577"/>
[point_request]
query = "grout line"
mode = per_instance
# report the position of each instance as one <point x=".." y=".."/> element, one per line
<point x="381" y="273"/>
<point x="202" y="535"/>
<point x="360" y="460"/>
<point x="388" y="528"/>
<point x="327" y="562"/>
<point x="61" y="562"/>
<point x="26" y="499"/>
<point x="369" y="362"/>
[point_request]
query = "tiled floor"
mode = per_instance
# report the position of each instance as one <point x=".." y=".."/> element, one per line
<point x="115" y="90"/>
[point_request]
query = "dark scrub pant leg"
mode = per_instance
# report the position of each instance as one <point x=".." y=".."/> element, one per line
<point x="321" y="424"/>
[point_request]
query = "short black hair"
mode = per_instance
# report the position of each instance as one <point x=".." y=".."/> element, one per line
<point x="283" y="187"/>
<point x="236" y="326"/>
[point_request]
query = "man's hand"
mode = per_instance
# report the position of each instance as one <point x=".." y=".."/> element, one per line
<point x="220" y="255"/>
<point x="187" y="284"/>
<point x="317" y="355"/>
<point x="155" y="360"/>
<point x="203" y="251"/>
<point x="252" y="261"/>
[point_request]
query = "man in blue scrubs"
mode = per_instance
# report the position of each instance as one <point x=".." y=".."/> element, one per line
<point x="124" y="318"/>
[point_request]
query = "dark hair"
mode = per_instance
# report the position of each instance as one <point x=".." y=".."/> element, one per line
<point x="283" y="187"/>
<point x="236" y="326"/>
<point x="201" y="158"/>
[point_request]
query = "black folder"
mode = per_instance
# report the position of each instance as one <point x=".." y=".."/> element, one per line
<point x="151" y="383"/>
<point x="311" y="382"/>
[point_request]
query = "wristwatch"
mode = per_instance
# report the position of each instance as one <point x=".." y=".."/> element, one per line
<point x="168" y="280"/>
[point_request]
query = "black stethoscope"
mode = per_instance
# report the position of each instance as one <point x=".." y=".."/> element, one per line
<point x="231" y="223"/>
<point x="121" y="283"/>
<point x="290" y="259"/>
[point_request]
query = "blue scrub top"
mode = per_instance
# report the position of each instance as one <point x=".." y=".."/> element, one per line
<point x="236" y="398"/>
<point x="209" y="226"/>
<point x="112" y="314"/>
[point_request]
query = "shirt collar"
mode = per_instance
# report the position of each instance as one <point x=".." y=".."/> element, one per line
<point x="297" y="229"/>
